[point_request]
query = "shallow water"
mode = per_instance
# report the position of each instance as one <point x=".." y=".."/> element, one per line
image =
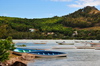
<point x="75" y="57"/>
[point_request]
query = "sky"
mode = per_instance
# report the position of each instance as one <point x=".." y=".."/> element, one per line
<point x="43" y="8"/>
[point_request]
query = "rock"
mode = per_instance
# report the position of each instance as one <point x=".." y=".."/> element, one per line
<point x="21" y="59"/>
<point x="18" y="63"/>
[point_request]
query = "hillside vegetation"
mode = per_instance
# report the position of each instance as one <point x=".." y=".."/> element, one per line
<point x="85" y="21"/>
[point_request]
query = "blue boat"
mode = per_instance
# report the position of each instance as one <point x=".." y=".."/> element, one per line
<point x="48" y="54"/>
<point x="25" y="50"/>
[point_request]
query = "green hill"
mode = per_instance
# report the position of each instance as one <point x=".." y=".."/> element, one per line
<point x="86" y="17"/>
<point x="54" y="28"/>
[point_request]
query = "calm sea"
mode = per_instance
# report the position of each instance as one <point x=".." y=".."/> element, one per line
<point x="75" y="57"/>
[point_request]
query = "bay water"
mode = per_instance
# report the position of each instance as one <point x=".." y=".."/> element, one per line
<point x="75" y="57"/>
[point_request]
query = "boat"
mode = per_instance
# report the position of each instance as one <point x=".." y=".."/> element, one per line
<point x="81" y="41"/>
<point x="95" y="44"/>
<point x="77" y="41"/>
<point x="25" y="50"/>
<point x="58" y="41"/>
<point x="66" y="43"/>
<point x="85" y="47"/>
<point x="48" y="54"/>
<point x="64" y="48"/>
<point x="39" y="43"/>
<point x="97" y="48"/>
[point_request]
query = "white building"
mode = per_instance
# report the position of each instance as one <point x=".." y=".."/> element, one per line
<point x="75" y="33"/>
<point x="32" y="30"/>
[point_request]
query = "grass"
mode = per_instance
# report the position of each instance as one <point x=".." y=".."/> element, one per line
<point x="21" y="45"/>
<point x="90" y="28"/>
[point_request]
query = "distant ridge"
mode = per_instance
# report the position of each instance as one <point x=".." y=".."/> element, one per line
<point x="87" y="10"/>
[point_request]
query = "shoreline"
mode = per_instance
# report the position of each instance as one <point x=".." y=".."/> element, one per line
<point x="34" y="41"/>
<point x="19" y="58"/>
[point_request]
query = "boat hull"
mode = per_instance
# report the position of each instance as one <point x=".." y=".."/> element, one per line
<point x="48" y="54"/>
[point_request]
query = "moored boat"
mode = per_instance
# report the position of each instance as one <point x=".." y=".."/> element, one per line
<point x="85" y="47"/>
<point x="66" y="43"/>
<point x="97" y="48"/>
<point x="64" y="48"/>
<point x="95" y="44"/>
<point x="25" y="50"/>
<point x="48" y="54"/>
<point x="39" y="43"/>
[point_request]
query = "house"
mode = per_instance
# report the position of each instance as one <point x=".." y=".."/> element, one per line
<point x="75" y="33"/>
<point x="32" y="30"/>
<point x="50" y="33"/>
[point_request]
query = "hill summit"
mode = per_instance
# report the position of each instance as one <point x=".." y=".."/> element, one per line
<point x="86" y="10"/>
<point x="91" y="10"/>
<point x="83" y="18"/>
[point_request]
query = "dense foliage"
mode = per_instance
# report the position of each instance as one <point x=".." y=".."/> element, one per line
<point x="53" y="28"/>
<point x="5" y="46"/>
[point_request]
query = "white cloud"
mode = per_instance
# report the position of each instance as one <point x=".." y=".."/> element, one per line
<point x="83" y="3"/>
<point x="60" y="0"/>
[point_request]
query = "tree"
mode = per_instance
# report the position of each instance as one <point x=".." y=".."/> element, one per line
<point x="5" y="46"/>
<point x="3" y="30"/>
<point x="98" y="37"/>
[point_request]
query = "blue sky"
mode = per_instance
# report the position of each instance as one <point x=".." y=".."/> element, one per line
<point x="43" y="8"/>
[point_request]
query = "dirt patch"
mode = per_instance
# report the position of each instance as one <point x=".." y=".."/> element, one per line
<point x="15" y="57"/>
